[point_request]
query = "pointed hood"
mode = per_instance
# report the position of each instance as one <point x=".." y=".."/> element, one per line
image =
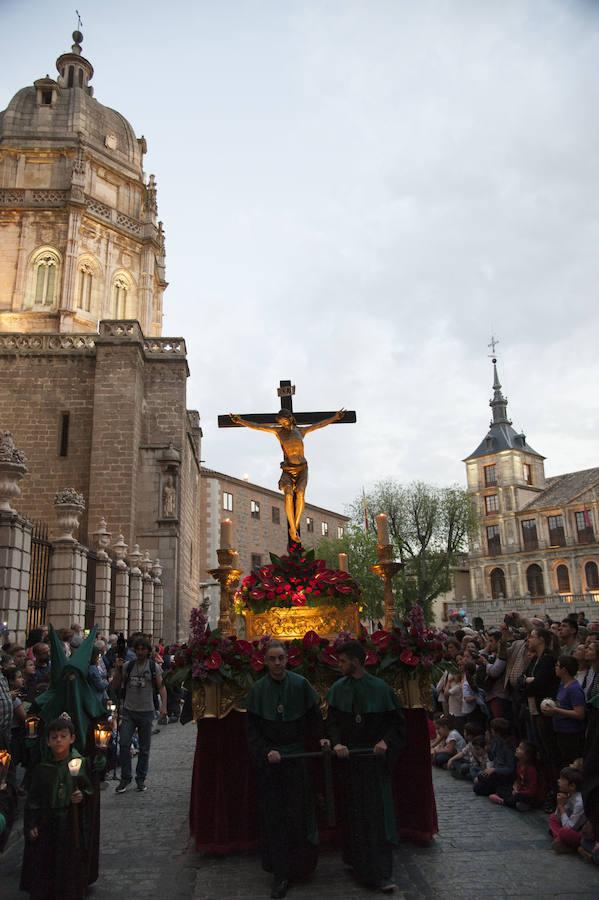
<point x="70" y="690"/>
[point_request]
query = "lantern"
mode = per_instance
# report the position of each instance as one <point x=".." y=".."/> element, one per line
<point x="31" y="726"/>
<point x="102" y="735"/>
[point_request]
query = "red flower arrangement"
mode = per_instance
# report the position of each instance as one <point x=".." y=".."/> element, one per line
<point x="297" y="579"/>
<point x="411" y="647"/>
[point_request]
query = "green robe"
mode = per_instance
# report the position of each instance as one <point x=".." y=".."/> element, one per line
<point x="59" y="863"/>
<point x="362" y="712"/>
<point x="283" y="715"/>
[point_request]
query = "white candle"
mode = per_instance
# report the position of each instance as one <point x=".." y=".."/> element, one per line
<point x="343" y="562"/>
<point x="382" y="529"/>
<point x="226" y="534"/>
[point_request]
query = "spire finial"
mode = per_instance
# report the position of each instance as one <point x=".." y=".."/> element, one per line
<point x="493" y="344"/>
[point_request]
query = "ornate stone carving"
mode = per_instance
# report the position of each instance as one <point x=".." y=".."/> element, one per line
<point x="135" y="559"/>
<point x="169" y="497"/>
<point x="289" y="624"/>
<point x="69" y="504"/>
<point x="156" y="570"/>
<point x="170" y="346"/>
<point x="24" y="343"/>
<point x="99" y="209"/>
<point x="119" y="549"/>
<point x="101" y="538"/>
<point x="12" y="469"/>
<point x="128" y="223"/>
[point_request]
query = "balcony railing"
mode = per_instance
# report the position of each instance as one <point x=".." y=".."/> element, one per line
<point x="586" y="536"/>
<point x="554" y="605"/>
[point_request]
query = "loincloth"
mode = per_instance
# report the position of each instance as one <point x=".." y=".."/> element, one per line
<point x="294" y="477"/>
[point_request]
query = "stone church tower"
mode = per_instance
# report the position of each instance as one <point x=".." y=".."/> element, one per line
<point x="80" y="238"/>
<point x="93" y="394"/>
<point x="504" y="475"/>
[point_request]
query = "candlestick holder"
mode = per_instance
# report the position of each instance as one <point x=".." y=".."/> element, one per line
<point x="227" y="574"/>
<point x="32" y="726"/>
<point x="386" y="568"/>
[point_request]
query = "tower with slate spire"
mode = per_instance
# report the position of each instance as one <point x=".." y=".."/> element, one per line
<point x="504" y="474"/>
<point x="80" y="239"/>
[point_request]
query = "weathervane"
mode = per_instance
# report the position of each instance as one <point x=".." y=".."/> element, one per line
<point x="79" y="22"/>
<point x="493" y="344"/>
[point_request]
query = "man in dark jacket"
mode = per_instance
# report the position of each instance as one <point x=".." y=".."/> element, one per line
<point x="364" y="713"/>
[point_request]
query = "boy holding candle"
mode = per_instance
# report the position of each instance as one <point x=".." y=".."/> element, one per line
<point x="56" y="858"/>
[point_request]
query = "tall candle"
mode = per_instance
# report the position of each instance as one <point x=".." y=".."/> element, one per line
<point x="382" y="529"/>
<point x="343" y="562"/>
<point x="226" y="534"/>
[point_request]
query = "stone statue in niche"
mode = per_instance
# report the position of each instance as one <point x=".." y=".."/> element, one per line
<point x="169" y="498"/>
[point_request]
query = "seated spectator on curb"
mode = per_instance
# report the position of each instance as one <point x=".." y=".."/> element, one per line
<point x="449" y="742"/>
<point x="565" y="824"/>
<point x="525" y="792"/>
<point x="500" y="770"/>
<point x="469" y="762"/>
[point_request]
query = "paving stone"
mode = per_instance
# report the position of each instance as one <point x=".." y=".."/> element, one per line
<point x="483" y="852"/>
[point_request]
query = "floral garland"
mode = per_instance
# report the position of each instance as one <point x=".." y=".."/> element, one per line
<point x="296" y="580"/>
<point x="411" y="648"/>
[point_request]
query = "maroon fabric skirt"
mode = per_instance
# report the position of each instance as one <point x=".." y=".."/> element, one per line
<point x="223" y="813"/>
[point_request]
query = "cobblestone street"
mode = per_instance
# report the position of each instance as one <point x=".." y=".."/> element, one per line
<point x="482" y="851"/>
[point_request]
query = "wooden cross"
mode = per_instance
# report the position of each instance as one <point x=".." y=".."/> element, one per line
<point x="286" y="391"/>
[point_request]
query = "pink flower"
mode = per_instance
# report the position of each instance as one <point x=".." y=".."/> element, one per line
<point x="244" y="648"/>
<point x="257" y="661"/>
<point x="371" y="658"/>
<point x="381" y="640"/>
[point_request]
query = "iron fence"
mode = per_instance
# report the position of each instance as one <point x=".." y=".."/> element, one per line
<point x="41" y="551"/>
<point x="90" y="590"/>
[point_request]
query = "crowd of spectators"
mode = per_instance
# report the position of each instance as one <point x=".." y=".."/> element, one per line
<point x="518" y="716"/>
<point x="25" y="674"/>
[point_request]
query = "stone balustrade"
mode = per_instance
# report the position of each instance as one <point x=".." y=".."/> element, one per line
<point x="556" y="606"/>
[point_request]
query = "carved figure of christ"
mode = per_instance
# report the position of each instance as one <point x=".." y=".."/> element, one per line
<point x="285" y="427"/>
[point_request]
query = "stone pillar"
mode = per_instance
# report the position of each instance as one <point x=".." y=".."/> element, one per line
<point x="101" y="539"/>
<point x="15" y="542"/>
<point x="121" y="590"/>
<point x="158" y="600"/>
<point x="67" y="578"/>
<point x="148" y="597"/>
<point x="135" y="591"/>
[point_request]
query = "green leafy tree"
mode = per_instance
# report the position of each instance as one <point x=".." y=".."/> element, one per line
<point x="360" y="546"/>
<point x="429" y="527"/>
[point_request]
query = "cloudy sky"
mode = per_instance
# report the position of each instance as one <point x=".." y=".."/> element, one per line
<point x="355" y="196"/>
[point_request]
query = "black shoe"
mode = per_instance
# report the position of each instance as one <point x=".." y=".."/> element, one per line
<point x="155" y="730"/>
<point x="122" y="786"/>
<point x="141" y="785"/>
<point x="387" y="887"/>
<point x="279" y="888"/>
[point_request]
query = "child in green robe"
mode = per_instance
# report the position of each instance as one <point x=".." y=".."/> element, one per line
<point x="56" y="859"/>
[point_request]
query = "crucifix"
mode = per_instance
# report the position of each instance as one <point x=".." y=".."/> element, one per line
<point x="290" y="428"/>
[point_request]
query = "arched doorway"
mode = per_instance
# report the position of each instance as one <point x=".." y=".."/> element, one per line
<point x="534" y="580"/>
<point x="563" y="579"/>
<point x="591" y="573"/>
<point x="497" y="584"/>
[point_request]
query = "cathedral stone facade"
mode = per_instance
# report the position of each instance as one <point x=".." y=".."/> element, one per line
<point x="537" y="544"/>
<point x="92" y="393"/>
<point x="80" y="240"/>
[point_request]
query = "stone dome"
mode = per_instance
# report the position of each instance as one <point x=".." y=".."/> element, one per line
<point x="63" y="112"/>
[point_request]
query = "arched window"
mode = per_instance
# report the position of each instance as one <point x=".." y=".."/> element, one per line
<point x="563" y="579"/>
<point x="534" y="580"/>
<point x="497" y="584"/>
<point x="591" y="573"/>
<point x="120" y="291"/>
<point x="44" y="279"/>
<point x="87" y="272"/>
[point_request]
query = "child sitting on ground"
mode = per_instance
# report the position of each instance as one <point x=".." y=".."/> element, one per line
<point x="525" y="791"/>
<point x="566" y="823"/>
<point x="449" y="742"/>
<point x="500" y="770"/>
<point x="472" y="759"/>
